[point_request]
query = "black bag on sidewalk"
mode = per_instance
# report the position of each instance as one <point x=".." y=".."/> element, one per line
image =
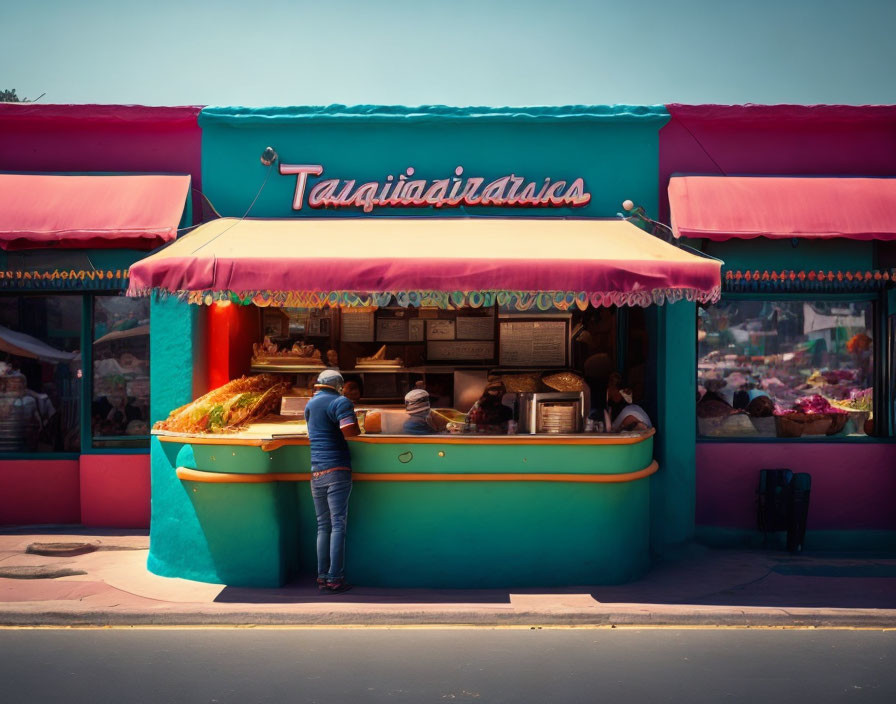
<point x="800" y="488"/>
<point x="773" y="499"/>
<point x="783" y="504"/>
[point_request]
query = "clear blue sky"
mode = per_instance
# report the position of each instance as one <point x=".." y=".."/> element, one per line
<point x="456" y="52"/>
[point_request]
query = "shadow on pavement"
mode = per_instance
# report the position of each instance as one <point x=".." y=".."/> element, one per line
<point x="765" y="578"/>
<point x="307" y="592"/>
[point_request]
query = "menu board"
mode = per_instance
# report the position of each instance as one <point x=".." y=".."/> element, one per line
<point x="533" y="344"/>
<point x="479" y="328"/>
<point x="463" y="350"/>
<point x="357" y="325"/>
<point x="392" y="330"/>
<point x="439" y="329"/>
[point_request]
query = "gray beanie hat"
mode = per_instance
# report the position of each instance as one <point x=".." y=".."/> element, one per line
<point x="330" y="379"/>
<point x="417" y="401"/>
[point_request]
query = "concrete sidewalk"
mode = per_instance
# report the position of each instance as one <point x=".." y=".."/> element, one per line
<point x="108" y="584"/>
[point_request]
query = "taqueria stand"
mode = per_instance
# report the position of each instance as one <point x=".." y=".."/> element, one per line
<point x="423" y="274"/>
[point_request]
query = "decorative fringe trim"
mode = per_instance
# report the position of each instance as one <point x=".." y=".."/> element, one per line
<point x="519" y="300"/>
<point x="106" y="279"/>
<point x="808" y="282"/>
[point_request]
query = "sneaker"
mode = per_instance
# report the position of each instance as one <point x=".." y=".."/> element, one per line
<point x="338" y="587"/>
<point x="322" y="584"/>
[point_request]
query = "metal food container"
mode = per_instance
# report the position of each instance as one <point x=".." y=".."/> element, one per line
<point x="554" y="412"/>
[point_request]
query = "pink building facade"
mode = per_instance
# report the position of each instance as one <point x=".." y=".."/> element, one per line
<point x="80" y="472"/>
<point x="853" y="478"/>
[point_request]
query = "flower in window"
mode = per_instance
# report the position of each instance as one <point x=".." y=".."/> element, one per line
<point x="860" y="342"/>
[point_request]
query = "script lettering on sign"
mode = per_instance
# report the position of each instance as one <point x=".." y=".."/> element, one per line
<point x="405" y="191"/>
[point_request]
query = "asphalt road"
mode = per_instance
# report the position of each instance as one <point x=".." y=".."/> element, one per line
<point x="550" y="666"/>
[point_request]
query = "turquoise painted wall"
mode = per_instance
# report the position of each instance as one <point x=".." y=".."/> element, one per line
<point x="615" y="149"/>
<point x="48" y="260"/>
<point x="673" y="488"/>
<point x="775" y="255"/>
<point x="178" y="546"/>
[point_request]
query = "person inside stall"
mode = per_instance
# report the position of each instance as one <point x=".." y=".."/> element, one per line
<point x="419" y="422"/>
<point x="113" y="412"/>
<point x="489" y="414"/>
<point x="352" y="390"/>
<point x="621" y="414"/>
<point x="24" y="408"/>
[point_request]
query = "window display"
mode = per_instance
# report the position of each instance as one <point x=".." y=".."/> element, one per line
<point x="120" y="408"/>
<point x="785" y="368"/>
<point x="40" y="370"/>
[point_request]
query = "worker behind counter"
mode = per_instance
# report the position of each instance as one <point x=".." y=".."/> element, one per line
<point x="419" y="421"/>
<point x="489" y="414"/>
<point x="621" y="414"/>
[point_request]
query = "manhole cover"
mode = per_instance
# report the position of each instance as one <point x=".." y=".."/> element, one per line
<point x="42" y="572"/>
<point x="61" y="549"/>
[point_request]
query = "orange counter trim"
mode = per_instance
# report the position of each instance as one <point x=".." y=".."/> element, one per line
<point x="195" y="475"/>
<point x="544" y="439"/>
<point x="222" y="440"/>
<point x="274" y="444"/>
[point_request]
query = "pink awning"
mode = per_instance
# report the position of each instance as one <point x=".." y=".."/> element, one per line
<point x="596" y="262"/>
<point x="726" y="207"/>
<point x="97" y="212"/>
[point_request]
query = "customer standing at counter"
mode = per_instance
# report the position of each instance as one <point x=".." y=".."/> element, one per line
<point x="417" y="404"/>
<point x="331" y="419"/>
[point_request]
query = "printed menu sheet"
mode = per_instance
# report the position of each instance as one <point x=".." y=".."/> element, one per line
<point x="532" y="344"/>
<point x="440" y="329"/>
<point x="461" y="350"/>
<point x="415" y="329"/>
<point x="479" y="328"/>
<point x="392" y="330"/>
<point x="357" y="325"/>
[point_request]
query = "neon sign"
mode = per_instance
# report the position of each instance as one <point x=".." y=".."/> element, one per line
<point x="407" y="192"/>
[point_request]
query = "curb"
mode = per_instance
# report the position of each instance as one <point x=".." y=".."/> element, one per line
<point x="743" y="618"/>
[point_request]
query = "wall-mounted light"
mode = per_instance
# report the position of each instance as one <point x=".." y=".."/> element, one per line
<point x="268" y="156"/>
<point x="658" y="229"/>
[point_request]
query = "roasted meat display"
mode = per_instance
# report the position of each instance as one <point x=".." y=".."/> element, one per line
<point x="235" y="404"/>
<point x="378" y="359"/>
<point x="268" y="351"/>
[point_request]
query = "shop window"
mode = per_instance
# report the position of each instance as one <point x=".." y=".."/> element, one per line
<point x="120" y="404"/>
<point x="40" y="373"/>
<point x="785" y="368"/>
<point x="891" y="339"/>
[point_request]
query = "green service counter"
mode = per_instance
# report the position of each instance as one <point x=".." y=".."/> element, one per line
<point x="441" y="511"/>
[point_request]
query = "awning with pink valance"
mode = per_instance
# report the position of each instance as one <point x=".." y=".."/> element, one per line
<point x="426" y="261"/>
<point x="729" y="207"/>
<point x="39" y="211"/>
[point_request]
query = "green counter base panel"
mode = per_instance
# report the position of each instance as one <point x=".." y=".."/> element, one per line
<point x="436" y="534"/>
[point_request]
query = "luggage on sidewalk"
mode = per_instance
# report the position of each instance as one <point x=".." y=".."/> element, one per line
<point x="783" y="504"/>
<point x="800" y="488"/>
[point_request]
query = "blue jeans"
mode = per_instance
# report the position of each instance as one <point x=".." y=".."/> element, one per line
<point x="331" y="506"/>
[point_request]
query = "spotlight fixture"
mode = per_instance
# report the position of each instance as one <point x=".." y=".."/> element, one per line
<point x="656" y="228"/>
<point x="268" y="156"/>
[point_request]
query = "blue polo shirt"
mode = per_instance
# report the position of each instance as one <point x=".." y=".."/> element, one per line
<point x="326" y="414"/>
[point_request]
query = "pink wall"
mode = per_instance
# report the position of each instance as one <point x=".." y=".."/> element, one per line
<point x="115" y="490"/>
<point x="39" y="491"/>
<point x="776" y="139"/>
<point x="114" y="138"/>
<point x="853" y="485"/>
<point x="98" y="490"/>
